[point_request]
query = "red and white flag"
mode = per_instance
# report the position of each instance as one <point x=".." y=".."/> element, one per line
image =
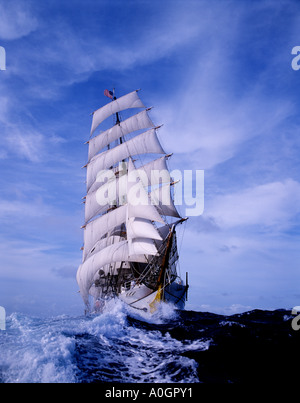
<point x="108" y="94"/>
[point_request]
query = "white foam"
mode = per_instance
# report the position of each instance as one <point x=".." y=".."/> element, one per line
<point x="44" y="350"/>
<point x="165" y="312"/>
<point x="110" y="322"/>
<point x="35" y="351"/>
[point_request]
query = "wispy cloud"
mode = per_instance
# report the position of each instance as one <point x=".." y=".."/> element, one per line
<point x="27" y="145"/>
<point x="211" y="125"/>
<point x="17" y="20"/>
<point x="77" y="55"/>
<point x="16" y="208"/>
<point x="67" y="271"/>
<point x="208" y="116"/>
<point x="272" y="206"/>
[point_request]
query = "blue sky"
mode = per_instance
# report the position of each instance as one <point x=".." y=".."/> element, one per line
<point x="219" y="75"/>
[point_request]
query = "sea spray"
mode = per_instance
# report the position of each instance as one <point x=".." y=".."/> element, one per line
<point x="36" y="350"/>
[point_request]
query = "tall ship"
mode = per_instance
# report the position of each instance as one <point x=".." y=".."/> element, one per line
<point x="130" y="247"/>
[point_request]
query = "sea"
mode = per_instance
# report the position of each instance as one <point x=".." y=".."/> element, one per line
<point x="171" y="347"/>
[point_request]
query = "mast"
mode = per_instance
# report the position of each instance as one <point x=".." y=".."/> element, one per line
<point x="117" y="114"/>
<point x="119" y="235"/>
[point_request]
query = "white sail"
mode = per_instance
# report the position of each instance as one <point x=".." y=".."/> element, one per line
<point x="87" y="270"/>
<point x="98" y="201"/>
<point x="102" y="225"/>
<point x="152" y="169"/>
<point x="136" y="122"/>
<point x="165" y="229"/>
<point x="138" y="199"/>
<point x="118" y="252"/>
<point x="103" y="243"/>
<point x="145" y="143"/>
<point x="141" y="228"/>
<point x="94" y="230"/>
<point x="140" y="232"/>
<point x="130" y="100"/>
<point x="161" y="198"/>
<point x="141" y="247"/>
<point x="92" y="207"/>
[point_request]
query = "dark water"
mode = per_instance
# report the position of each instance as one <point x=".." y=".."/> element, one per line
<point x="171" y="347"/>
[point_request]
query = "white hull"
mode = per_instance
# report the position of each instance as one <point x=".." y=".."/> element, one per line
<point x="143" y="298"/>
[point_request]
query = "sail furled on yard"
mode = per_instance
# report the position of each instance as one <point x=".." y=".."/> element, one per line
<point x="126" y="215"/>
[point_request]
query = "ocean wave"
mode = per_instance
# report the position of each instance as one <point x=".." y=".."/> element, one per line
<point x="125" y="346"/>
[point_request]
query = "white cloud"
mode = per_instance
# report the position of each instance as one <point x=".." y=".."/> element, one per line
<point x="29" y="209"/>
<point x="77" y="54"/>
<point x="212" y="124"/>
<point x="25" y="141"/>
<point x="216" y="109"/>
<point x="4" y="105"/>
<point x="27" y="145"/>
<point x="272" y="205"/>
<point x="16" y="20"/>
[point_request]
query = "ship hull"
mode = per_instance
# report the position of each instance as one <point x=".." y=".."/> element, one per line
<point x="176" y="294"/>
<point x="143" y="298"/>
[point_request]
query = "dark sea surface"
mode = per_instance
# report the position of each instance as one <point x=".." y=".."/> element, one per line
<point x="120" y="346"/>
